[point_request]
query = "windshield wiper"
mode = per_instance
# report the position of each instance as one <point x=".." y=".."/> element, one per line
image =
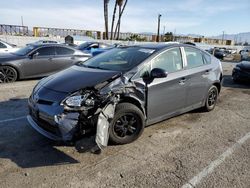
<point x="94" y="67"/>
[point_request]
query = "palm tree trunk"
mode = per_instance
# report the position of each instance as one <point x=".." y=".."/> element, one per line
<point x="118" y="25"/>
<point x="113" y="20"/>
<point x="106" y="18"/>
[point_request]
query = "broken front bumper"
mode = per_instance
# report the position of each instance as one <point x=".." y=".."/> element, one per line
<point x="51" y="121"/>
<point x="42" y="131"/>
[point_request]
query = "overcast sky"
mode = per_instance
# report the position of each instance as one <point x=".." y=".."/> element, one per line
<point x="205" y="17"/>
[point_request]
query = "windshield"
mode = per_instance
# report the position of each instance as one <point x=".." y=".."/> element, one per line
<point x="25" y="50"/>
<point x="119" y="59"/>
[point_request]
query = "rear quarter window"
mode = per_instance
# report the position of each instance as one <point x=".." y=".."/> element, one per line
<point x="206" y="58"/>
<point x="194" y="57"/>
<point x="64" y="51"/>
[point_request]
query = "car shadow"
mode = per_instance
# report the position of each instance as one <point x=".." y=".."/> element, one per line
<point x="23" y="145"/>
<point x="229" y="83"/>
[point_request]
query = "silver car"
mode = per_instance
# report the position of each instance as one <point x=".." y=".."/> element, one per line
<point x="117" y="93"/>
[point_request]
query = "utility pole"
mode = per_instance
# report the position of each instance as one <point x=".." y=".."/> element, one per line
<point x="223" y="34"/>
<point x="22" y="20"/>
<point x="174" y="35"/>
<point x="158" y="30"/>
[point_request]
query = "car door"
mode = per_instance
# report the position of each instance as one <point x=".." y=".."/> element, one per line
<point x="64" y="58"/>
<point x="198" y="79"/>
<point x="39" y="62"/>
<point x="167" y="96"/>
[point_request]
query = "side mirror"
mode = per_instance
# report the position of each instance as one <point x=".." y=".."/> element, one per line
<point x="158" y="73"/>
<point x="34" y="55"/>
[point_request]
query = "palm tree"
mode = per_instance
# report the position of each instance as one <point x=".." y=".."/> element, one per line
<point x="106" y="2"/>
<point x="113" y="19"/>
<point x="121" y="10"/>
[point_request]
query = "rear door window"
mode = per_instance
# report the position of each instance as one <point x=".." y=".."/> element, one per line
<point x="194" y="57"/>
<point x="64" y="51"/>
<point x="46" y="51"/>
<point x="170" y="60"/>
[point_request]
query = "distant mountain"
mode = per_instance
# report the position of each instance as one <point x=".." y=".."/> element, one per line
<point x="147" y="33"/>
<point x="240" y="37"/>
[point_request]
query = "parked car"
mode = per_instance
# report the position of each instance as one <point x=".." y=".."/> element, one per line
<point x="220" y="53"/>
<point x="241" y="72"/>
<point x="43" y="42"/>
<point x="245" y="53"/>
<point x="6" y="47"/>
<point x="120" y="91"/>
<point x="38" y="61"/>
<point x="94" y="48"/>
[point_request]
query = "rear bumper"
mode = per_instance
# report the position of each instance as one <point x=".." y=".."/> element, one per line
<point x="41" y="130"/>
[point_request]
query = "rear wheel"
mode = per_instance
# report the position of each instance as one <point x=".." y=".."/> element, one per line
<point x="127" y="124"/>
<point x="211" y="98"/>
<point x="7" y="74"/>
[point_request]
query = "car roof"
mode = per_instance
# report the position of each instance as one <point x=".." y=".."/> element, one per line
<point x="160" y="46"/>
<point x="49" y="44"/>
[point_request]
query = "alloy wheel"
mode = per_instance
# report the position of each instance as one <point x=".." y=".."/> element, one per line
<point x="7" y="74"/>
<point x="212" y="97"/>
<point x="126" y="125"/>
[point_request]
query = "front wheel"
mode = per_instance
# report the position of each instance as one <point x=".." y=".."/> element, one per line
<point x="127" y="124"/>
<point x="212" y="97"/>
<point x="7" y="74"/>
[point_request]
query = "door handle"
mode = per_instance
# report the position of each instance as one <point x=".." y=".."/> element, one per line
<point x="182" y="81"/>
<point x="50" y="58"/>
<point x="207" y="71"/>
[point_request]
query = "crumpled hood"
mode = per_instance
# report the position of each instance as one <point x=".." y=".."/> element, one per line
<point x="244" y="65"/>
<point x="76" y="78"/>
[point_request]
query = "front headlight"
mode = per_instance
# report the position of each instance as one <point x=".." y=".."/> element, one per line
<point x="74" y="101"/>
<point x="79" y="100"/>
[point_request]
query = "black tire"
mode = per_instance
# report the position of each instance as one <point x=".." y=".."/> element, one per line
<point x="127" y="125"/>
<point x="7" y="74"/>
<point x="235" y="77"/>
<point x="211" y="99"/>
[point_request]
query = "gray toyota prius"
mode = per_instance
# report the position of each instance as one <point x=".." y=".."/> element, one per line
<point x="116" y="94"/>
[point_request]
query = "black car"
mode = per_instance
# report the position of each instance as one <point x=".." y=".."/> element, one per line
<point x="120" y="91"/>
<point x="219" y="53"/>
<point x="38" y="61"/>
<point x="241" y="72"/>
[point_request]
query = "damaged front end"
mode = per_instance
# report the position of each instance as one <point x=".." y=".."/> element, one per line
<point x="88" y="111"/>
<point x="84" y="112"/>
<point x="92" y="109"/>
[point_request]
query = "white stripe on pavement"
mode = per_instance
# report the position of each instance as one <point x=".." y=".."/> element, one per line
<point x="15" y="86"/>
<point x="12" y="119"/>
<point x="210" y="168"/>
